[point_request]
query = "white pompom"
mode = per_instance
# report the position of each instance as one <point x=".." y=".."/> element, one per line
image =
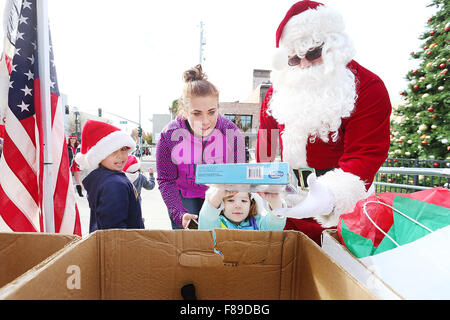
<point x="82" y="161"/>
<point x="280" y="59"/>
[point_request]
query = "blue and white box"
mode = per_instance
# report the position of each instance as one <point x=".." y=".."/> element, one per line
<point x="251" y="177"/>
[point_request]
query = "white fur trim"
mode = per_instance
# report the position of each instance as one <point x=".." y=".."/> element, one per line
<point x="134" y="167"/>
<point x="310" y="27"/>
<point x="280" y="59"/>
<point x="132" y="176"/>
<point x="347" y="189"/>
<point x="103" y="148"/>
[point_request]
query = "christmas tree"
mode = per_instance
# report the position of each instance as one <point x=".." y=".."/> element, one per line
<point x="421" y="125"/>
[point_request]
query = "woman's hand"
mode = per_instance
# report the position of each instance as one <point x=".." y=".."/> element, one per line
<point x="273" y="199"/>
<point x="187" y="217"/>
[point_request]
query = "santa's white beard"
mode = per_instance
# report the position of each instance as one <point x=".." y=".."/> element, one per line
<point x="310" y="103"/>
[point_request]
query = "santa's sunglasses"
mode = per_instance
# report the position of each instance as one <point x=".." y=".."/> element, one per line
<point x="311" y="55"/>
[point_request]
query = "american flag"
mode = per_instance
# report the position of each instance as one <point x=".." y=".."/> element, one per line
<point x="22" y="163"/>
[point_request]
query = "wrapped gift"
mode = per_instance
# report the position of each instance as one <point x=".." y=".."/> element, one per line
<point x="386" y="220"/>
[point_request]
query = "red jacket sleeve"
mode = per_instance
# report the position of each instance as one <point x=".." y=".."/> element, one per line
<point x="366" y="136"/>
<point x="268" y="139"/>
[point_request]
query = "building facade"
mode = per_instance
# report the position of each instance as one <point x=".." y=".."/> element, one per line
<point x="245" y="114"/>
<point x="159" y="122"/>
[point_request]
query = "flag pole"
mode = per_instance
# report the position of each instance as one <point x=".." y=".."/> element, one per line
<point x="44" y="75"/>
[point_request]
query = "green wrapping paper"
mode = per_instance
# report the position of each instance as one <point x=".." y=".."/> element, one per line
<point x="429" y="208"/>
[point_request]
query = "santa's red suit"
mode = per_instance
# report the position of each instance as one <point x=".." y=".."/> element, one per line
<point x="352" y="160"/>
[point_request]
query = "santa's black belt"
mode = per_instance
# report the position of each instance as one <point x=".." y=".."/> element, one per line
<point x="303" y="173"/>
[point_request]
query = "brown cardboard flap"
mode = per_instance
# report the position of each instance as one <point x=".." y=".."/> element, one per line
<point x="21" y="251"/>
<point x="322" y="278"/>
<point x="144" y="264"/>
<point x="200" y="259"/>
<point x="289" y="265"/>
<point x="243" y="247"/>
<point x="52" y="278"/>
<point x="156" y="264"/>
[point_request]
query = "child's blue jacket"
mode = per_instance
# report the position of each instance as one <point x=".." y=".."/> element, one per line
<point x="113" y="201"/>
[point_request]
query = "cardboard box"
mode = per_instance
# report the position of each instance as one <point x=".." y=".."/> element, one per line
<point x="249" y="177"/>
<point x="21" y="251"/>
<point x="156" y="264"/>
<point x="368" y="276"/>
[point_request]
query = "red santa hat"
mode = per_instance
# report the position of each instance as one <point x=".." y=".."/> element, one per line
<point x="304" y="19"/>
<point x="98" y="141"/>
<point x="132" y="164"/>
<point x="72" y="135"/>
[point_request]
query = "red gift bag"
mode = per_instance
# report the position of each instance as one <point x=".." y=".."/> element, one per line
<point x="357" y="222"/>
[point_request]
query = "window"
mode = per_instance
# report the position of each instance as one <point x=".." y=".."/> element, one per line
<point x="242" y="121"/>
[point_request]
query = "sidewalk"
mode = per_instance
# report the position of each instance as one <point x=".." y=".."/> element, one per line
<point x="154" y="210"/>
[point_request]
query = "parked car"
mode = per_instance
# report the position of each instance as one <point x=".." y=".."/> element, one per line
<point x="250" y="156"/>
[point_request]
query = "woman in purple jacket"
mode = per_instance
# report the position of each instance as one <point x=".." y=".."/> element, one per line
<point x="198" y="135"/>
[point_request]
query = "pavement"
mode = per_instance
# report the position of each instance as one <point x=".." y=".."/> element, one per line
<point x="154" y="210"/>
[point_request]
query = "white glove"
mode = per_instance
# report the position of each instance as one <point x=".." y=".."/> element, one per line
<point x="320" y="201"/>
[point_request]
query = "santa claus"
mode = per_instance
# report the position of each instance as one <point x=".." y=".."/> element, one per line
<point x="331" y="113"/>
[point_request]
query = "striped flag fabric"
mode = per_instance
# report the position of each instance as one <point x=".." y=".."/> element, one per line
<point x="11" y="17"/>
<point x="22" y="162"/>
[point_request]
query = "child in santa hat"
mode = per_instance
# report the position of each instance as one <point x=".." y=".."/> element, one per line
<point x="113" y="199"/>
<point x="132" y="170"/>
<point x="241" y="210"/>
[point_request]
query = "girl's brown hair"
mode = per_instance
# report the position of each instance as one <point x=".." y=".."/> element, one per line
<point x="196" y="85"/>
<point x="253" y="211"/>
<point x="77" y="143"/>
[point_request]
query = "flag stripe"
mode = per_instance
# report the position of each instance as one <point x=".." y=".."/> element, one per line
<point x="18" y="195"/>
<point x="60" y="164"/>
<point x="21" y="138"/>
<point x="4" y="226"/>
<point x="22" y="167"/>
<point x="13" y="216"/>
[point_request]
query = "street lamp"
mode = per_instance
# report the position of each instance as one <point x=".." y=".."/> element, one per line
<point x="77" y="122"/>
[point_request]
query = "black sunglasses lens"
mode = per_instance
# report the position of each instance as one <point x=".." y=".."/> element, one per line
<point x="294" y="61"/>
<point x="314" y="54"/>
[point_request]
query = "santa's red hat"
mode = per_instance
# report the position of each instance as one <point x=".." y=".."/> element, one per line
<point x="132" y="164"/>
<point x="98" y="141"/>
<point x="305" y="19"/>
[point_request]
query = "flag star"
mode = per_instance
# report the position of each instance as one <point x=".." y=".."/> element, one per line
<point x="16" y="51"/>
<point x="31" y="59"/>
<point x="13" y="67"/>
<point x="52" y="84"/>
<point x="34" y="45"/>
<point x="27" y="90"/>
<point x="10" y="84"/>
<point x="23" y="106"/>
<point x="19" y="35"/>
<point x="23" y="19"/>
<point x="26" y="4"/>
<point x="30" y="75"/>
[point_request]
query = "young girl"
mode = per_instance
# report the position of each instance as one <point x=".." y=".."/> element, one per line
<point x="73" y="147"/>
<point x="239" y="210"/>
<point x="198" y="135"/>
